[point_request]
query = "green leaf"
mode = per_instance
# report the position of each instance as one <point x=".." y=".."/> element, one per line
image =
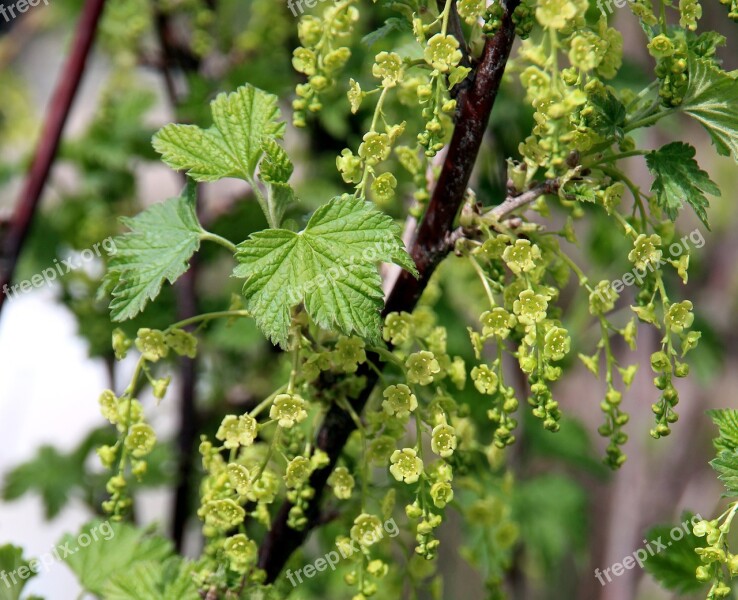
<point x="675" y="566"/>
<point x="330" y="266"/>
<point x="276" y="166"/>
<point x="609" y="115"/>
<point x="53" y="475"/>
<point x="113" y="548"/>
<point x="11" y="559"/>
<point x="726" y="420"/>
<point x="159" y="246"/>
<point x="679" y="179"/>
<point x="168" y="580"/>
<point x="712" y="99"/>
<point x="232" y="147"/>
<point x="390" y="25"/>
<point x="726" y="465"/>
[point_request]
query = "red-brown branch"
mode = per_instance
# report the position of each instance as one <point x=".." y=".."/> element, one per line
<point x="48" y="145"/>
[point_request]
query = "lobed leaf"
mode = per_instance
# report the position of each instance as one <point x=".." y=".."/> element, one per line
<point x="330" y="266"/>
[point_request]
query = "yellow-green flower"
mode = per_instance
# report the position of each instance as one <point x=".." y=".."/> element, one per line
<point x="406" y="465"/>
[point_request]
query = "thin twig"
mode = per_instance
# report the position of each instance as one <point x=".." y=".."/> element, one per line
<point x="59" y="108"/>
<point x="513" y="203"/>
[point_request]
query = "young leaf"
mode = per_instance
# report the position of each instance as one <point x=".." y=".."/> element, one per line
<point x="330" y="266"/>
<point x="112" y="548"/>
<point x="232" y="147"/>
<point x="712" y="99"/>
<point x="168" y="580"/>
<point x="675" y="566"/>
<point x="727" y="421"/>
<point x="609" y="116"/>
<point x="726" y="465"/>
<point x="679" y="179"/>
<point x="162" y="240"/>
<point x="11" y="559"/>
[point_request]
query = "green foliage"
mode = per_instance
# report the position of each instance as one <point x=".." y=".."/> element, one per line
<point x="171" y="579"/>
<point x="232" y="147"/>
<point x="674" y="567"/>
<point x="330" y="266"/>
<point x="114" y="552"/>
<point x="712" y="99"/>
<point x="726" y="420"/>
<point x="679" y="179"/>
<point x="11" y="559"/>
<point x="162" y="240"/>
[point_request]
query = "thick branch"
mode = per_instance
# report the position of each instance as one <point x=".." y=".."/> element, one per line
<point x="59" y="108"/>
<point x="429" y="248"/>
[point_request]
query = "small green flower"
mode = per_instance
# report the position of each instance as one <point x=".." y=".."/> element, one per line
<point x="661" y="47"/>
<point x="485" y="379"/>
<point x="237" y="431"/>
<point x="160" y="387"/>
<point x="355" y="96"/>
<point x="303" y="60"/>
<point x="121" y="344"/>
<point x="240" y="551"/>
<point x="442" y="493"/>
<point x="645" y="251"/>
<point x="349" y="166"/>
<point x="399" y="401"/>
<point x="388" y="67"/>
<point x="367" y="530"/>
<point x="222" y="514"/>
<point x="583" y="52"/>
<point x="349" y="353"/>
<point x="602" y="298"/>
<point x="443" y="440"/>
<point x="140" y="440"/>
<point x="497" y="322"/>
<point x="691" y="12"/>
<point x="375" y="148"/>
<point x="522" y="256"/>
<point x="530" y="307"/>
<point x="380" y="449"/>
<point x="342" y="482"/>
<point x="555" y="14"/>
<point x="297" y="472"/>
<point x="336" y="59"/>
<point x="182" y="342"/>
<point x="471" y="10"/>
<point x="457" y="372"/>
<point x="383" y="188"/>
<point x="239" y="478"/>
<point x="442" y="52"/>
<point x="397" y="328"/>
<point x="679" y="316"/>
<point x="109" y="406"/>
<point x="152" y="344"/>
<point x="405" y="465"/>
<point x="265" y="488"/>
<point x="421" y="366"/>
<point x="557" y="343"/>
<point x="288" y="409"/>
<point x="309" y="30"/>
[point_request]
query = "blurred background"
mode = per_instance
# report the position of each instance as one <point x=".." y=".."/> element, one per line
<point x="157" y="62"/>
